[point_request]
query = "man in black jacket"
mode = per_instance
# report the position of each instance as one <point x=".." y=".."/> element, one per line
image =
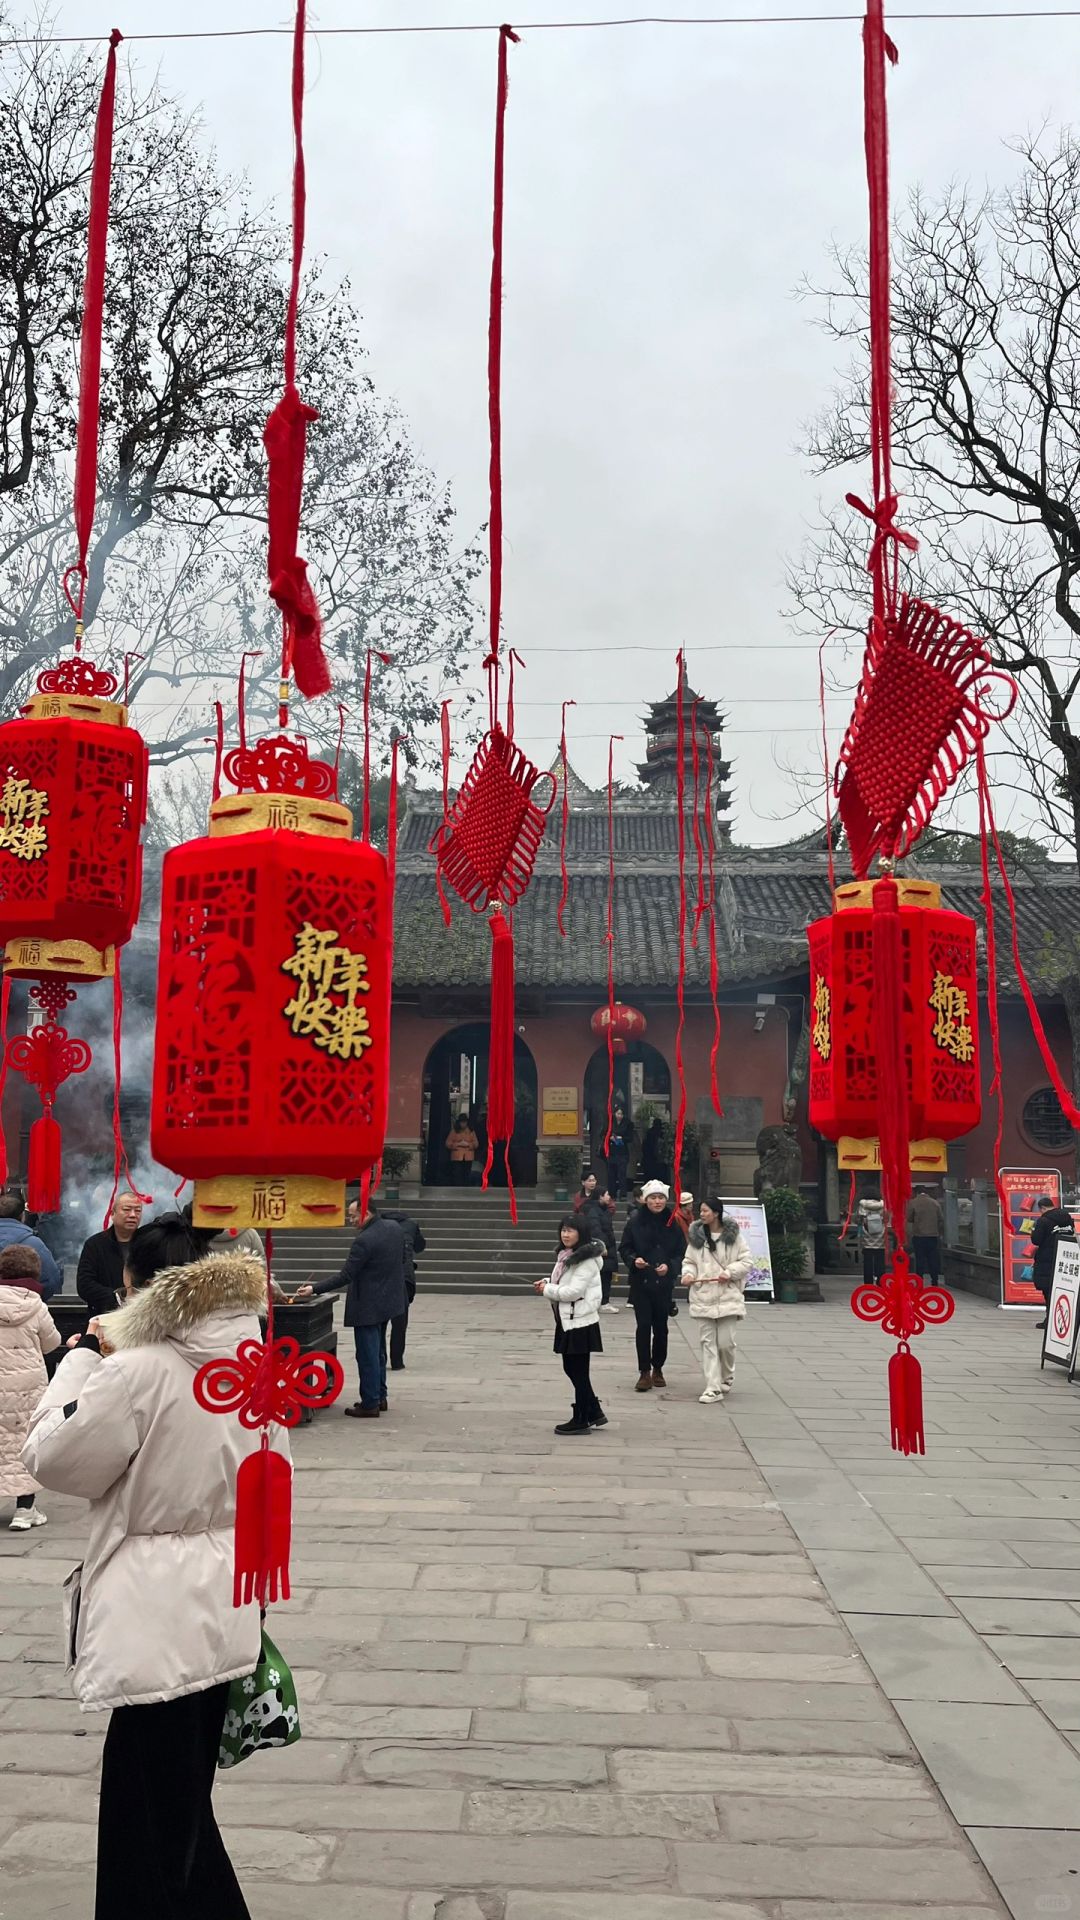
<point x="374" y="1274"/>
<point x="1052" y="1227"/>
<point x="652" y="1249"/>
<point x="414" y="1245"/>
<point x="100" y="1275"/>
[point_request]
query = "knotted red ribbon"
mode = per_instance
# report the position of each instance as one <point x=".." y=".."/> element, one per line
<point x="86" y="445"/>
<point x="495" y="515"/>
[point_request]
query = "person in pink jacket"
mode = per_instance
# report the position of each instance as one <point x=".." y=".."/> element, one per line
<point x="27" y="1333"/>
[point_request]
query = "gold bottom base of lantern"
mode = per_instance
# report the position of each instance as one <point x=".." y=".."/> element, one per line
<point x="269" y="1200"/>
<point x="26" y="959"/>
<point x="864" y="1156"/>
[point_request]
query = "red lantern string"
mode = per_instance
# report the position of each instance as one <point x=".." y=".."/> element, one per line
<point x="444" y="735"/>
<point x="883" y="565"/>
<point x="699" y="845"/>
<point x="5" y="1002"/>
<point x="680" y="787"/>
<point x="564" y="876"/>
<point x="372" y="654"/>
<point x="219" y="747"/>
<point x="887" y="956"/>
<point x="128" y="658"/>
<point x="846" y="1228"/>
<point x="86" y="446"/>
<point x="992" y="1009"/>
<point x="825" y="759"/>
<point x="342" y="712"/>
<point x="120" y="1158"/>
<point x="241" y="696"/>
<point x="515" y="661"/>
<point x="609" y="939"/>
<point x="285" y="440"/>
<point x="495" y="516"/>
<point x="501" y="1091"/>
<point x="714" y="964"/>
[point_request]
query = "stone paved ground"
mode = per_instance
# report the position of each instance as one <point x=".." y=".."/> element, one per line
<point x="600" y="1679"/>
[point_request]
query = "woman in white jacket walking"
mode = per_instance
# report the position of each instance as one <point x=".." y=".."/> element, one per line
<point x="715" y="1267"/>
<point x="575" y="1290"/>
<point x="152" y="1631"/>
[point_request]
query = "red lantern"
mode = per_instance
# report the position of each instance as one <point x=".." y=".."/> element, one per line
<point x="626" y="1024"/>
<point x="73" y="779"/>
<point x="271" y="1068"/>
<point x="940" y="1023"/>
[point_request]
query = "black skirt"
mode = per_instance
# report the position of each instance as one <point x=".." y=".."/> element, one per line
<point x="577" y="1339"/>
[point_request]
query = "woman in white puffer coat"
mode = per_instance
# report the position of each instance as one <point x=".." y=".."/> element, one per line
<point x="152" y="1630"/>
<point x="715" y="1267"/>
<point x="576" y="1291"/>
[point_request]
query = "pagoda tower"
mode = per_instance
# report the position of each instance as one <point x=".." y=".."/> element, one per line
<point x="659" y="770"/>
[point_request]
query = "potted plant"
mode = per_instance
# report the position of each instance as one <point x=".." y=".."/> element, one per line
<point x="562" y="1166"/>
<point x="395" y="1162"/>
<point x="785" y="1217"/>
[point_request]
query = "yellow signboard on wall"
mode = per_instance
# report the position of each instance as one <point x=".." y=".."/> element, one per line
<point x="560" y="1123"/>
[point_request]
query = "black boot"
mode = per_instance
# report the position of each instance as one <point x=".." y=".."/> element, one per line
<point x="597" y="1418"/>
<point x="576" y="1423"/>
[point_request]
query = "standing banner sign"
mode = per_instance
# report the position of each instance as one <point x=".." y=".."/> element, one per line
<point x="1024" y="1188"/>
<point x="1059" y="1339"/>
<point x="749" y="1215"/>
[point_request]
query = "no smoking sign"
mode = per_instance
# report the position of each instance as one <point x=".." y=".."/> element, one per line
<point x="1062" y="1317"/>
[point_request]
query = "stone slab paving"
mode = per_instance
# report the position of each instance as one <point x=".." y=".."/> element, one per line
<point x="957" y="1574"/>
<point x="603" y="1679"/>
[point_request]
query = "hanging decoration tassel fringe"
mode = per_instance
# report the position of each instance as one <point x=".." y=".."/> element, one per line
<point x="564" y="876"/>
<point x="680" y="1027"/>
<point x="714" y="964"/>
<point x="44" y="1170"/>
<point x="609" y="942"/>
<point x="5" y="1003"/>
<point x="905" y="1402"/>
<point x="501" y="1092"/>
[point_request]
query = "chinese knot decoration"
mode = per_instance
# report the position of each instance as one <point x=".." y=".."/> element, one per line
<point x="73" y="780"/>
<point x="904" y="1306"/>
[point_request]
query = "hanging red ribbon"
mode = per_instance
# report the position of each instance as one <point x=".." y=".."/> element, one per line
<point x="5" y="1002"/>
<point x="883" y="563"/>
<point x="564" y="876"/>
<point x="825" y="762"/>
<point x="495" y="514"/>
<point x="609" y="940"/>
<point x="342" y="713"/>
<point x="372" y="654"/>
<point x="997" y="1090"/>
<point x="285" y="440"/>
<point x="714" y="964"/>
<point x="444" y="737"/>
<point x="219" y="746"/>
<point x="86" y="446"/>
<point x="699" y="845"/>
<point x="241" y="696"/>
<point x="680" y="1028"/>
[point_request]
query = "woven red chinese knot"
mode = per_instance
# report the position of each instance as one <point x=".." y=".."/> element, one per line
<point x="269" y="1382"/>
<point x="280" y="764"/>
<point x="900" y="1301"/>
<point x="487" y="845"/>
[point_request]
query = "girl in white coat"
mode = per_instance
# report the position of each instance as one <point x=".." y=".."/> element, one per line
<point x="715" y="1267"/>
<point x="575" y="1291"/>
<point x="153" y="1633"/>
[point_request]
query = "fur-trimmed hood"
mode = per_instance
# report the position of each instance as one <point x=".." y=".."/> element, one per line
<point x="727" y="1235"/>
<point x="181" y="1298"/>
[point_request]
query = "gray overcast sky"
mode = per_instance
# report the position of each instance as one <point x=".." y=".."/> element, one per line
<point x="666" y="190"/>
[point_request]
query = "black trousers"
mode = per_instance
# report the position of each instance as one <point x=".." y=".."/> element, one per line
<point x="576" y="1369"/>
<point x="651" y="1313"/>
<point x="618" y="1170"/>
<point x="460" y="1172"/>
<point x="159" y="1849"/>
<point x="873" y="1265"/>
<point x="399" y="1327"/>
<point x="926" y="1256"/>
<point x="605" y="1284"/>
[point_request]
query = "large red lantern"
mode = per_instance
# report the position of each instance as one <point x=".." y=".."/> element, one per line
<point x="272" y="1053"/>
<point x="73" y="780"/>
<point x="940" y="1026"/>
<point x="626" y="1023"/>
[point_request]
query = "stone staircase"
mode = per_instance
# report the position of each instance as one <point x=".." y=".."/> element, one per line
<point x="472" y="1245"/>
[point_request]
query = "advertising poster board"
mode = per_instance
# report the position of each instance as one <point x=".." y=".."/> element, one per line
<point x="1059" y="1339"/>
<point x="1024" y="1188"/>
<point x="750" y="1215"/>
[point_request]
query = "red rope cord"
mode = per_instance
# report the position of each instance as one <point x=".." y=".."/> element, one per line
<point x="241" y="696"/>
<point x="444" y="740"/>
<point x="846" y="1228"/>
<point x="97" y="236"/>
<point x="610" y="940"/>
<point x="680" y="787"/>
<point x="121" y="1164"/>
<point x="495" y="514"/>
<point x="372" y="654"/>
<point x="699" y="844"/>
<point x="992" y="1008"/>
<point x="219" y="746"/>
<point x="342" y="712"/>
<point x="825" y="761"/>
<point x="564" y="876"/>
<point x="714" y="964"/>
<point x="5" y="1003"/>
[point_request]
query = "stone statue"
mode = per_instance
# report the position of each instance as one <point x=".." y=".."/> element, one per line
<point x="780" y="1159"/>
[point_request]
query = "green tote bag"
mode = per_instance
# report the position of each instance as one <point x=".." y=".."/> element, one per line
<point x="262" y="1710"/>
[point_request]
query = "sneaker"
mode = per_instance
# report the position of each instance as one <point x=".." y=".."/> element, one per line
<point x="599" y="1419"/>
<point x="658" y="1378"/>
<point x="24" y="1518"/>
<point x="708" y="1398"/>
<point x="608" y="1308"/>
<point x="644" y="1384"/>
<point x="573" y="1425"/>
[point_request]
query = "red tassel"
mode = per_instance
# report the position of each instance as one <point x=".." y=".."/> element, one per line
<point x="680" y="993"/>
<point x="43" y="1172"/>
<point x="892" y="1076"/>
<point x="5" y="1001"/>
<point x="905" y="1402"/>
<point x="610" y="941"/>
<point x="501" y="1101"/>
<point x="263" y="1528"/>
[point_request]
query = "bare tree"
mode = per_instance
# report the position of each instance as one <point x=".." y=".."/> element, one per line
<point x="193" y="336"/>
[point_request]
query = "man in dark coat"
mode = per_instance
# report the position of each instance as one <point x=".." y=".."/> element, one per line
<point x="652" y="1249"/>
<point x="374" y="1275"/>
<point x="100" y="1274"/>
<point x="1052" y="1227"/>
<point x="414" y="1245"/>
<point x="618" y="1151"/>
<point x="14" y="1232"/>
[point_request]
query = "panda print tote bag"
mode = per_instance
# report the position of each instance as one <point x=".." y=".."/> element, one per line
<point x="262" y="1710"/>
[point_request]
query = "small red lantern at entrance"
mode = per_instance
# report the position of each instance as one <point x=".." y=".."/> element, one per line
<point x="940" y="1025"/>
<point x="626" y="1024"/>
<point x="273" y="1011"/>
